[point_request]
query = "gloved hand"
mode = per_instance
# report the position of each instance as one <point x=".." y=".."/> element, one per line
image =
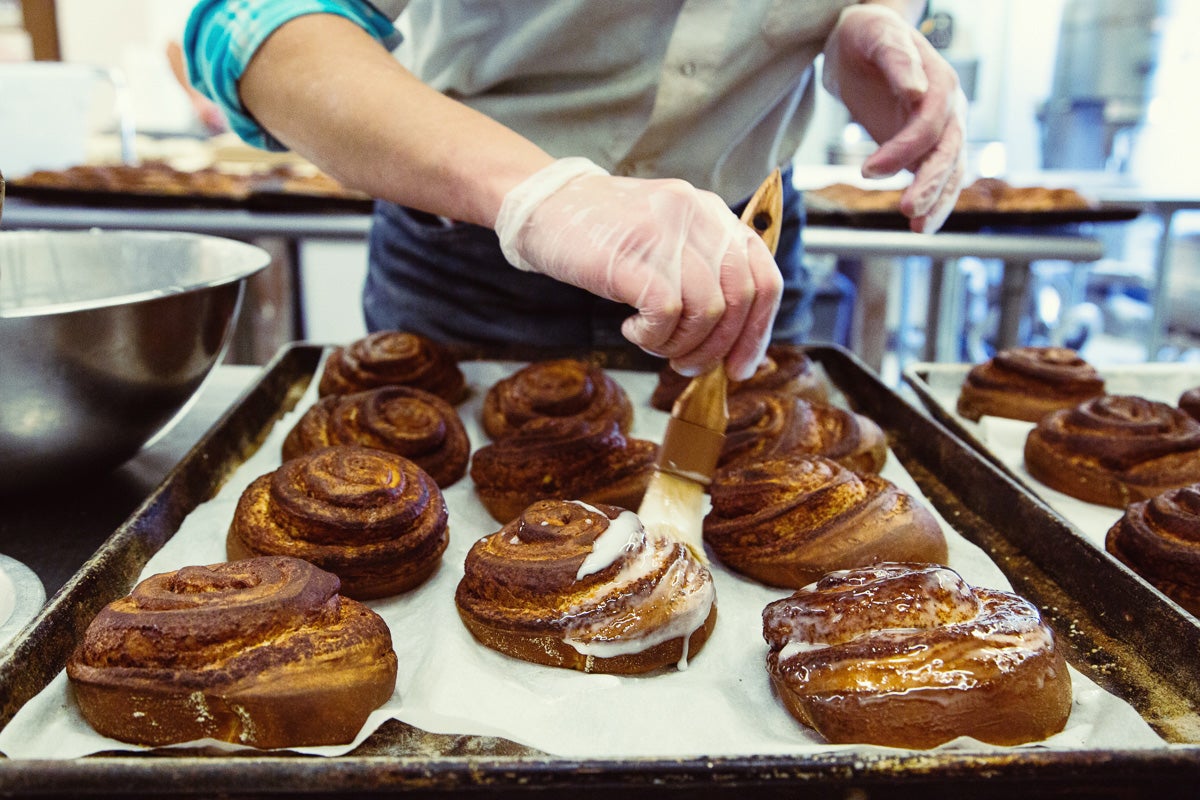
<point x="705" y="286"/>
<point x="901" y="90"/>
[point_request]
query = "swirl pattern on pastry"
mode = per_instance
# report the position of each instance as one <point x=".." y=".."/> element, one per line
<point x="1115" y="449"/>
<point x="393" y="358"/>
<point x="262" y="652"/>
<point x="784" y="369"/>
<point x="1159" y="539"/>
<point x="413" y="423"/>
<point x="374" y="519"/>
<point x="560" y="389"/>
<point x="571" y="458"/>
<point x="788" y="521"/>
<point x="1189" y="403"/>
<point x="1027" y="383"/>
<point x="585" y="587"/>
<point x="765" y="425"/>
<point x="909" y="655"/>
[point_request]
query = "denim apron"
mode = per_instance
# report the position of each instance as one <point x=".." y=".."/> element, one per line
<point x="448" y="280"/>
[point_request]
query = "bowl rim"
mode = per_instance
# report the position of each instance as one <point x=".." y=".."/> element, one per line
<point x="253" y="259"/>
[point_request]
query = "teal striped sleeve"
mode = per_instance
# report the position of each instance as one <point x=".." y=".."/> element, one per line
<point x="222" y="36"/>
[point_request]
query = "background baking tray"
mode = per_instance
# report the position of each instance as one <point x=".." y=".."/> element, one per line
<point x="974" y="221"/>
<point x="1116" y="632"/>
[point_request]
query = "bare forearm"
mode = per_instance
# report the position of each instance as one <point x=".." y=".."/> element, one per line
<point x="329" y="92"/>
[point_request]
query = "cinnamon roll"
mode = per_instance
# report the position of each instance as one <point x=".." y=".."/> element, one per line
<point x="1189" y="403"/>
<point x="393" y="358"/>
<point x="563" y="459"/>
<point x="1115" y="449"/>
<point x="784" y="369"/>
<point x="585" y="587"/>
<point x="262" y="652"/>
<point x="766" y="425"/>
<point x="1027" y="383"/>
<point x="374" y="519"/>
<point x="1159" y="539"/>
<point x="560" y="389"/>
<point x="909" y="655"/>
<point x="413" y="423"/>
<point x="787" y="521"/>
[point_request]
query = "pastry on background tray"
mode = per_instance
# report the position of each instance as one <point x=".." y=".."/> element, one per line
<point x="1026" y="383"/>
<point x="262" y="652"/>
<point x="373" y="518"/>
<point x="410" y="422"/>
<point x="1159" y="539"/>
<point x="910" y="655"/>
<point x="1189" y="401"/>
<point x="569" y="584"/>
<point x="788" y="521"/>
<point x="1115" y="449"/>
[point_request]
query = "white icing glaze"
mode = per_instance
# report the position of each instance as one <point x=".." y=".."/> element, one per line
<point x="623" y="533"/>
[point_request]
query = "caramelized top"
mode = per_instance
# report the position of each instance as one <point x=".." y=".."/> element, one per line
<point x="558" y="389"/>
<point x="393" y="358"/>
<point x="1121" y="431"/>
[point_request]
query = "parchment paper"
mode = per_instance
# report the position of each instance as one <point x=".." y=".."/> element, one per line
<point x="721" y="705"/>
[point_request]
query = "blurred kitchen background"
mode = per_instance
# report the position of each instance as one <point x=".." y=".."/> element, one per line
<point x="1093" y="94"/>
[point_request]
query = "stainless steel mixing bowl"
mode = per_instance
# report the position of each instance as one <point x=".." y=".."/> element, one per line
<point x="104" y="338"/>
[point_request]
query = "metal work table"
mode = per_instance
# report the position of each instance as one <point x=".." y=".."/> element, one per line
<point x="1016" y="251"/>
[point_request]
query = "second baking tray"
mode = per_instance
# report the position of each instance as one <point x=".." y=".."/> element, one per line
<point x="1119" y="634"/>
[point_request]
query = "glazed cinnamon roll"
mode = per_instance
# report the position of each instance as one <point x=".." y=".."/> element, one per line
<point x="393" y="358"/>
<point x="766" y="425"/>
<point x="1159" y="539"/>
<point x="413" y="423"/>
<point x="374" y="519"/>
<point x="784" y="369"/>
<point x="1027" y="383"/>
<point x="561" y="389"/>
<point x="1189" y="403"/>
<point x="585" y="587"/>
<point x="909" y="655"/>
<point x="562" y="459"/>
<point x="1115" y="449"/>
<point x="262" y="652"/>
<point x="787" y="521"/>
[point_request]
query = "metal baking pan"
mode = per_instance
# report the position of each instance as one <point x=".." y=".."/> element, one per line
<point x="1118" y="633"/>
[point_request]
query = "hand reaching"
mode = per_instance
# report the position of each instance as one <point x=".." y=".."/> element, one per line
<point x="908" y="98"/>
<point x="705" y="286"/>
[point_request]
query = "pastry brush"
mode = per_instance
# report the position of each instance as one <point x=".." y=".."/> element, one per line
<point x="675" y="497"/>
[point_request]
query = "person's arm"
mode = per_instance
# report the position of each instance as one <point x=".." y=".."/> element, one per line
<point x="705" y="287"/>
<point x="907" y="97"/>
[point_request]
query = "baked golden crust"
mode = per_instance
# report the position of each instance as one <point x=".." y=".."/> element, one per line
<point x="567" y="584"/>
<point x="374" y="519"/>
<point x="1189" y="403"/>
<point x="393" y="358"/>
<point x="262" y="652"/>
<point x="784" y="369"/>
<point x="570" y="458"/>
<point x="766" y="425"/>
<point x="558" y="389"/>
<point x="788" y="521"/>
<point x="909" y="655"/>
<point x="1027" y="383"/>
<point x="1159" y="539"/>
<point x="1115" y="449"/>
<point x="410" y="422"/>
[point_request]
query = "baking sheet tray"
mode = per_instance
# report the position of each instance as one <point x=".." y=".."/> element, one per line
<point x="1128" y="641"/>
<point x="973" y="221"/>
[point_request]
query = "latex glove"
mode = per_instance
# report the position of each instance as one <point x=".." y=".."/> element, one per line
<point x="901" y="90"/>
<point x="705" y="287"/>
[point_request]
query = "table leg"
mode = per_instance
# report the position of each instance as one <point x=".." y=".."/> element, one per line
<point x="1014" y="287"/>
<point x="1159" y="298"/>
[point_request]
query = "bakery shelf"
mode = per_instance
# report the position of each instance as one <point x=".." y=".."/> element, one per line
<point x="1116" y="631"/>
